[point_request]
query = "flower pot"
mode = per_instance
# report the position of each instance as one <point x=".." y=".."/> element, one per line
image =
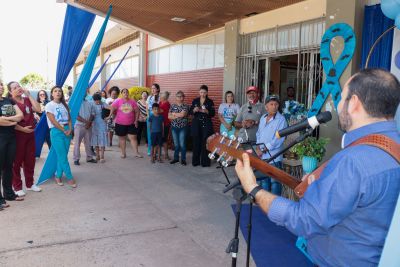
<point x="309" y="164"/>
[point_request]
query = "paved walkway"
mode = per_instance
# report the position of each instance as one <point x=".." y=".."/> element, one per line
<point x="125" y="212"/>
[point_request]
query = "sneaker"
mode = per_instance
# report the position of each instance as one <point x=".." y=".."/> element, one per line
<point x="174" y="161"/>
<point x="20" y="193"/>
<point x="76" y="162"/>
<point x="91" y="161"/>
<point x="34" y="188"/>
<point x="183" y="162"/>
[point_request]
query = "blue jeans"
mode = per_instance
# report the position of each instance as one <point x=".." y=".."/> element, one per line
<point x="271" y="184"/>
<point x="179" y="136"/>
<point x="61" y="142"/>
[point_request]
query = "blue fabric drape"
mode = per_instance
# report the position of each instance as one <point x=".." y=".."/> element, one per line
<point x="375" y="23"/>
<point x="112" y="74"/>
<point x="77" y="24"/>
<point x="98" y="72"/>
<point x="76" y="99"/>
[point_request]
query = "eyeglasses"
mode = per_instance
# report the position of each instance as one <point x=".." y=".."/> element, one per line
<point x="42" y="95"/>
<point x="179" y="96"/>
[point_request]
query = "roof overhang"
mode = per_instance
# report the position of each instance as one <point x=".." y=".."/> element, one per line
<point x="174" y="20"/>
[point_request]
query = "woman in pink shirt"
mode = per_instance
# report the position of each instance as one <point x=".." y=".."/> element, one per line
<point x="126" y="122"/>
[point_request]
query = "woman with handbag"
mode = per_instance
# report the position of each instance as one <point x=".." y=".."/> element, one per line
<point x="99" y="130"/>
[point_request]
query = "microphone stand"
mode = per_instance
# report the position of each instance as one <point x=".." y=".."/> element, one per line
<point x="240" y="195"/>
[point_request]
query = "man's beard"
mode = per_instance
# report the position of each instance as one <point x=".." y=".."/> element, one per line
<point x="345" y="121"/>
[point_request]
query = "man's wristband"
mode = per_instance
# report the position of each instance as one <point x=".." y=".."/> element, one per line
<point x="253" y="193"/>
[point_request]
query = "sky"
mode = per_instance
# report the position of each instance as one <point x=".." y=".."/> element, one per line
<point x="31" y="34"/>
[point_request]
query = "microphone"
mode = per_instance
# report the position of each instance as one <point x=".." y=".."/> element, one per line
<point x="311" y="122"/>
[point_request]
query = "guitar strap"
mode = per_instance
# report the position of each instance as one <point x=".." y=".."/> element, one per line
<point x="377" y="140"/>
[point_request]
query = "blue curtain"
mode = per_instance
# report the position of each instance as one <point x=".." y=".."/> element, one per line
<point x="98" y="72"/>
<point x="76" y="99"/>
<point x="77" y="24"/>
<point x="375" y="23"/>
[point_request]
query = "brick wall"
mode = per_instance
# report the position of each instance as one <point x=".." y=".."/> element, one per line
<point x="189" y="82"/>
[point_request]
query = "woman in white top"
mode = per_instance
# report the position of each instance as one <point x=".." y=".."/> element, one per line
<point x="227" y="113"/>
<point x="59" y="121"/>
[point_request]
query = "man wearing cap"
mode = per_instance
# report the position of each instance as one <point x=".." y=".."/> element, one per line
<point x="270" y="123"/>
<point x="249" y="116"/>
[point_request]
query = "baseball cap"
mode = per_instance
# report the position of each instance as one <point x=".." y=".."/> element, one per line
<point x="251" y="88"/>
<point x="272" y="97"/>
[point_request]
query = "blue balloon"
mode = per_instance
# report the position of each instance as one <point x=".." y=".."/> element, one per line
<point x="391" y="9"/>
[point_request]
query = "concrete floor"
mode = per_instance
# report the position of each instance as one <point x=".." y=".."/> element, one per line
<point x="125" y="212"/>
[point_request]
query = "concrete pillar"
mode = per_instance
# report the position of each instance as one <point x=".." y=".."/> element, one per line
<point x="74" y="76"/>
<point x="231" y="44"/>
<point x="103" y="76"/>
<point x="142" y="59"/>
<point x="352" y="13"/>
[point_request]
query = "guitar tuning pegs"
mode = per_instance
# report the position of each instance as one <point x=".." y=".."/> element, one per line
<point x="226" y="162"/>
<point x="212" y="154"/>
<point x="221" y="156"/>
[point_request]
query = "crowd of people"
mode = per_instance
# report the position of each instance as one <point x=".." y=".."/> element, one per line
<point x="151" y="119"/>
<point x="349" y="218"/>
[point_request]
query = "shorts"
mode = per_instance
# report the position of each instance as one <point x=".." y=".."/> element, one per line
<point x="156" y="139"/>
<point x="166" y="133"/>
<point x="123" y="130"/>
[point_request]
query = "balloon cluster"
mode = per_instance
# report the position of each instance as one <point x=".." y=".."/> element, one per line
<point x="391" y="9"/>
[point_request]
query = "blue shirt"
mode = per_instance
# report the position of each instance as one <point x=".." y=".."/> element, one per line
<point x="345" y="215"/>
<point x="156" y="123"/>
<point x="266" y="134"/>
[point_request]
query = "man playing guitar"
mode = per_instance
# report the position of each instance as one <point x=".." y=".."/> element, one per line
<point x="346" y="213"/>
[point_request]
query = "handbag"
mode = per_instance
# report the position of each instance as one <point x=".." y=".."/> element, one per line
<point x="104" y="112"/>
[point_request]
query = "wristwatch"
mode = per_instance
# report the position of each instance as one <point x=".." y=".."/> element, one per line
<point x="253" y="193"/>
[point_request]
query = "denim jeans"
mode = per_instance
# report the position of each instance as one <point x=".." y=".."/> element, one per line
<point x="271" y="184"/>
<point x="179" y="136"/>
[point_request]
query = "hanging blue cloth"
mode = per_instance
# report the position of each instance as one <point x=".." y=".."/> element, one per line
<point x="112" y="74"/>
<point x="98" y="72"/>
<point x="375" y="23"/>
<point x="77" y="24"/>
<point x="76" y="99"/>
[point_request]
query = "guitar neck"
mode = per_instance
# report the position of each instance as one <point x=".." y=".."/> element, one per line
<point x="266" y="168"/>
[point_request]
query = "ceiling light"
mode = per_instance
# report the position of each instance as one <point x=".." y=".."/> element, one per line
<point x="176" y="19"/>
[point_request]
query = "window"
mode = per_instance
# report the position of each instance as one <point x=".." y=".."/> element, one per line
<point x="189" y="56"/>
<point x="199" y="53"/>
<point x="205" y="52"/>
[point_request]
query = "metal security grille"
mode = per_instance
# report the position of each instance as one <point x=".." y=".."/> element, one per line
<point x="301" y="39"/>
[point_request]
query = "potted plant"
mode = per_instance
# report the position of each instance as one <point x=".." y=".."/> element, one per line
<point x="311" y="151"/>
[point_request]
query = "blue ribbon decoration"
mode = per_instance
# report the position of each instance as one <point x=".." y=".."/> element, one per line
<point x="76" y="99"/>
<point x="112" y="74"/>
<point x="98" y="72"/>
<point x="334" y="71"/>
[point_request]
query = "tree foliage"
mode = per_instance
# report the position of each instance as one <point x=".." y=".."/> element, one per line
<point x="33" y="80"/>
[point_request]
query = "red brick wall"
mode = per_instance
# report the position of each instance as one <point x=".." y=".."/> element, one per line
<point x="189" y="82"/>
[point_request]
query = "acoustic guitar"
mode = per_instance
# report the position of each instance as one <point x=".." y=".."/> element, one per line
<point x="228" y="149"/>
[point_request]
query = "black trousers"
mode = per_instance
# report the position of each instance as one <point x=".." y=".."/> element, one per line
<point x="142" y="128"/>
<point x="8" y="147"/>
<point x="200" y="153"/>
